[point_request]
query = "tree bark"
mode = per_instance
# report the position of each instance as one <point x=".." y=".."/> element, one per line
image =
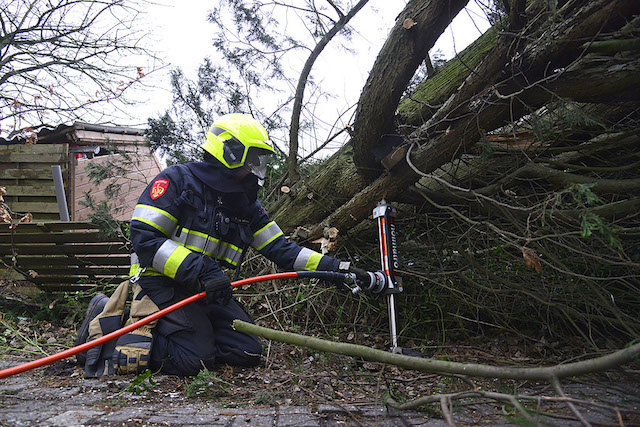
<point x="420" y="105"/>
<point x="416" y="30"/>
<point x="456" y="141"/>
<point x="313" y="199"/>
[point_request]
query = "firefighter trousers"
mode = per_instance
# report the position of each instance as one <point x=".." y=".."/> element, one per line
<point x="198" y="335"/>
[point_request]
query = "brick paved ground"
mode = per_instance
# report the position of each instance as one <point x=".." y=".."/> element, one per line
<point x="53" y="396"/>
<point x="26" y="401"/>
<point x="46" y="398"/>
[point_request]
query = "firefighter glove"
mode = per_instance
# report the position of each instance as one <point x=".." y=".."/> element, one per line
<point x="98" y="362"/>
<point x="218" y="289"/>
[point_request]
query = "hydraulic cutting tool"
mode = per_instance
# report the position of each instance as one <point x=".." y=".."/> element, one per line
<point x="384" y="214"/>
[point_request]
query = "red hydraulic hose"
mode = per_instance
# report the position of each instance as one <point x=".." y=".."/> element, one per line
<point x="115" y="334"/>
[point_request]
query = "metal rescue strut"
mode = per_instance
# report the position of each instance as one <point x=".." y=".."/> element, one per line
<point x="385" y="214"/>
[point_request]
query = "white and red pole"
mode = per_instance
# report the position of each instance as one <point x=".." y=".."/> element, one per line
<point x="384" y="213"/>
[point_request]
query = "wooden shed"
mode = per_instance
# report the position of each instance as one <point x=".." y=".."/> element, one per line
<point x="28" y="170"/>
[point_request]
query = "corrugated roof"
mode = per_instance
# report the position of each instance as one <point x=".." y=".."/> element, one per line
<point x="48" y="134"/>
<point x="121" y="130"/>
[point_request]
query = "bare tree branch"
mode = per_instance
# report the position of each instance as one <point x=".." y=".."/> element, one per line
<point x="63" y="59"/>
<point x="294" y="127"/>
<point x="600" y="364"/>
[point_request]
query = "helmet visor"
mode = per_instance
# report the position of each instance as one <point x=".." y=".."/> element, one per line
<point x="257" y="161"/>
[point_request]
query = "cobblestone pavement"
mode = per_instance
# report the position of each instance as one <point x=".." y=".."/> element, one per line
<point x="27" y="402"/>
<point x="49" y="397"/>
<point x="46" y="398"/>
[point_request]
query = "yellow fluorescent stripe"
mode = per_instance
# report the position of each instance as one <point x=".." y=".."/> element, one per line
<point x="195" y="249"/>
<point x="133" y="270"/>
<point x="230" y="261"/>
<point x="205" y="236"/>
<point x="270" y="240"/>
<point x="198" y="233"/>
<point x="157" y="218"/>
<point x="165" y="213"/>
<point x="263" y="228"/>
<point x="153" y="224"/>
<point x="229" y="257"/>
<point x="213" y="239"/>
<point x="313" y="261"/>
<point x="148" y="272"/>
<point x="269" y="232"/>
<point x="232" y="246"/>
<point x="175" y="260"/>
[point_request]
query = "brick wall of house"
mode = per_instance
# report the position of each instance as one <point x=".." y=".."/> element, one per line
<point x="138" y="175"/>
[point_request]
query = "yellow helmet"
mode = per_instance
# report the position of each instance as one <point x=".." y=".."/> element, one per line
<point x="238" y="140"/>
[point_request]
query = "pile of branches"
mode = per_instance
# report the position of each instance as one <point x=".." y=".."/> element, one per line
<point x="535" y="228"/>
<point x="536" y="234"/>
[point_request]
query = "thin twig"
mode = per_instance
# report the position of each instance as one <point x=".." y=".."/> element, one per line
<point x="558" y="387"/>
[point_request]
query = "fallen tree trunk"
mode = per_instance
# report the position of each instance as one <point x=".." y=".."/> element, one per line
<point x="417" y="29"/>
<point x="496" y="110"/>
<point x="340" y="197"/>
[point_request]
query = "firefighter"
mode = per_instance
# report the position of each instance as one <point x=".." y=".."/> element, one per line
<point x="189" y="222"/>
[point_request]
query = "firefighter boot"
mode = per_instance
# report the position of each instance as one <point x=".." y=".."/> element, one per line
<point x="96" y="305"/>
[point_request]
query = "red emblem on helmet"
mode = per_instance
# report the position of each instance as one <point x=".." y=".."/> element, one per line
<point x="158" y="188"/>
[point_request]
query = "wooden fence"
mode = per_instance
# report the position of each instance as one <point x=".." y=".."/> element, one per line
<point x="64" y="255"/>
<point x="25" y="170"/>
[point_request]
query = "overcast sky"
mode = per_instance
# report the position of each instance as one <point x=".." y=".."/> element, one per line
<point x="183" y="36"/>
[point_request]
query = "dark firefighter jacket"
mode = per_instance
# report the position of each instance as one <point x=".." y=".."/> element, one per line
<point x="199" y="210"/>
